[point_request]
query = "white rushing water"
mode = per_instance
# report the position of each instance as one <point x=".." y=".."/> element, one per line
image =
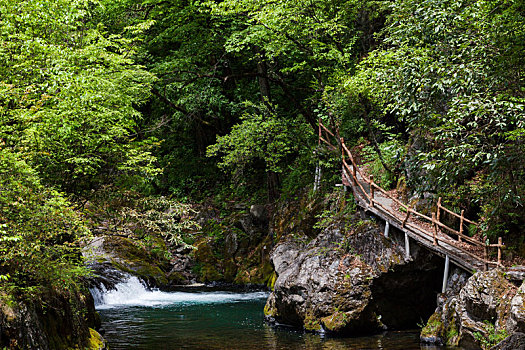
<point x="133" y="293"/>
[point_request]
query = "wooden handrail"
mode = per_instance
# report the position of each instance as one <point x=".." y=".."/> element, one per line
<point x="435" y="220"/>
<point x="326" y="129"/>
<point x="356" y="180"/>
<point x="328" y="143"/>
<point x="456" y="215"/>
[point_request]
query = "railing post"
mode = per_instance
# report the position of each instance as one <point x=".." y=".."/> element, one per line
<point x="320" y="133"/>
<point x="435" y="229"/>
<point x="500" y="244"/>
<point x="438" y="209"/>
<point x="406" y="217"/>
<point x="372" y="190"/>
<point x="486" y="256"/>
<point x="461" y="220"/>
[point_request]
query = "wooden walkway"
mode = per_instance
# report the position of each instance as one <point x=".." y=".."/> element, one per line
<point x="453" y="244"/>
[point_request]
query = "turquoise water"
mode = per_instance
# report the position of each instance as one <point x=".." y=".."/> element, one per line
<point x="139" y="319"/>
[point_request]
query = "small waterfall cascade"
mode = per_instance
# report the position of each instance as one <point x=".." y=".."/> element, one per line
<point x="132" y="293"/>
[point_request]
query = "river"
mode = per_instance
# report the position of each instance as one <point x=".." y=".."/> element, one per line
<point x="136" y="318"/>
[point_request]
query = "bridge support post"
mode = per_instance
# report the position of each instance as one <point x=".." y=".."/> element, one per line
<point x="445" y="274"/>
<point x="317" y="180"/>
<point x="407" y="247"/>
<point x="387" y="229"/>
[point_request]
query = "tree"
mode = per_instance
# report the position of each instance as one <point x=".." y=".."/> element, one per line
<point x="69" y="93"/>
<point x="450" y="72"/>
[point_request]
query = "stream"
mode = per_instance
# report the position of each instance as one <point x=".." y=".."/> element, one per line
<point x="136" y="318"/>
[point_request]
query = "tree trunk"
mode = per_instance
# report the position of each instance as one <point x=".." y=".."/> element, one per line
<point x="272" y="178"/>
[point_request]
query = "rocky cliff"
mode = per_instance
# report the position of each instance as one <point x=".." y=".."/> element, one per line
<point x="478" y="312"/>
<point x="350" y="279"/>
<point x="61" y="319"/>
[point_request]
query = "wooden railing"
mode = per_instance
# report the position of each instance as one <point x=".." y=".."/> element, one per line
<point x="422" y="225"/>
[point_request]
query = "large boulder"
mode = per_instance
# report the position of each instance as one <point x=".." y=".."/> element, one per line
<point x="485" y="310"/>
<point x="344" y="282"/>
<point x="66" y="321"/>
<point x="514" y="342"/>
<point x="516" y="322"/>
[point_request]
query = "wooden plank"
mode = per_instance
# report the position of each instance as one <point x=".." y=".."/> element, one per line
<point x="372" y="190"/>
<point x="357" y="181"/>
<point x="326" y="129"/>
<point x="461" y="224"/>
<point x="500" y="244"/>
<point x="438" y="210"/>
<point x="457" y="233"/>
<point x="328" y="144"/>
<point x="386" y="194"/>
<point x="460" y="261"/>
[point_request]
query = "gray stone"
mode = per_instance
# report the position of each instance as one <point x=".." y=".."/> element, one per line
<point x="259" y="213"/>
<point x="343" y="283"/>
<point x="516" y="322"/>
<point x="514" y="342"/>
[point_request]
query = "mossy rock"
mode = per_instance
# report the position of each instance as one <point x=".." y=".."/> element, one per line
<point x="147" y="272"/>
<point x="95" y="341"/>
<point x="434" y="327"/>
<point x="138" y="261"/>
<point x="270" y="311"/>
<point x="230" y="270"/>
<point x="209" y="273"/>
<point x="336" y="322"/>
<point x="312" y="324"/>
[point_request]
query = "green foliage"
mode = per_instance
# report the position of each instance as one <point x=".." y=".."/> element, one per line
<point x="68" y="95"/>
<point x="449" y="74"/>
<point x="262" y="135"/>
<point x="157" y="217"/>
<point x="392" y="152"/>
<point x="145" y="219"/>
<point x="39" y="234"/>
<point x="491" y="337"/>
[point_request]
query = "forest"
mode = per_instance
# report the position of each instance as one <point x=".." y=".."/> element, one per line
<point x="130" y="107"/>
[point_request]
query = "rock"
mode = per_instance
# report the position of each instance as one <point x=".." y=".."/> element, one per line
<point x="344" y="283"/>
<point x="66" y="321"/>
<point x="484" y="310"/>
<point x="440" y="329"/>
<point x="513" y="342"/>
<point x="111" y="254"/>
<point x="516" y="322"/>
<point x="259" y="214"/>
<point x="285" y="254"/>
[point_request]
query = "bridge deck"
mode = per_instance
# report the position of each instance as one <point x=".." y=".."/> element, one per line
<point x="469" y="253"/>
<point x="385" y="209"/>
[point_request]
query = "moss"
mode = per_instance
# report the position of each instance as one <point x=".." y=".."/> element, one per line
<point x="175" y="278"/>
<point x="209" y="273"/>
<point x="433" y="328"/>
<point x="312" y="324"/>
<point x="271" y="281"/>
<point x="452" y="333"/>
<point x="95" y="341"/>
<point x="139" y="261"/>
<point x="230" y="270"/>
<point x="270" y="310"/>
<point x="335" y="322"/>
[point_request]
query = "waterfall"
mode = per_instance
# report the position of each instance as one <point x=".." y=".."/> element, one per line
<point x="133" y="293"/>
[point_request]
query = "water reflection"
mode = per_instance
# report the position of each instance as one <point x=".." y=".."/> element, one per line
<point x="216" y="321"/>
